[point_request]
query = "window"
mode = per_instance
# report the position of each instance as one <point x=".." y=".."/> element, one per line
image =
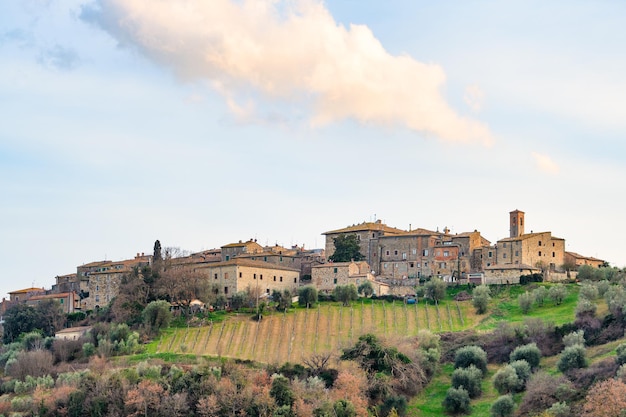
<point x="228" y="257"/>
<point x="267" y="291"/>
<point x="335" y="281"/>
<point x="281" y="259"/>
<point x="265" y="258"/>
<point x="414" y="251"/>
<point x="553" y="254"/>
<point x="516" y="253"/>
<point x="240" y="275"/>
<point x="97" y="298"/>
<point x="274" y="278"/>
<point x="504" y="245"/>
<point x="225" y="275"/>
<point x="490" y="254"/>
<point x="539" y="253"/>
<point x="295" y="280"/>
<point x="425" y="253"/>
<point x="411" y="265"/>
<point x="425" y="264"/>
<point x="552" y="244"/>
<point x="254" y="276"/>
<point x="61" y="300"/>
<point x="442" y="265"/>
<point x="335" y="270"/>
<point x="395" y="252"/>
<point x="540" y="243"/>
<point x="373" y="235"/>
<point x="403" y="255"/>
<point x="281" y="279"/>
<point x="446" y="253"/>
<point x="215" y="276"/>
<point x="225" y="290"/>
<point x="261" y="276"/>
<point x="504" y="255"/>
<point x="385" y="266"/>
<point x="97" y="288"/>
<point x="387" y="253"/>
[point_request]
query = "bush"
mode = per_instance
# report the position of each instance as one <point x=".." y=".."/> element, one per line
<point x="530" y="353"/>
<point x="525" y="302"/>
<point x="523" y="371"/>
<point x="435" y="289"/>
<point x="602" y="286"/>
<point x="574" y="338"/>
<point x="560" y="409"/>
<point x="35" y="364"/>
<point x="539" y="295"/>
<point x="588" y="291"/>
<point x="506" y="380"/>
<point x="503" y="406"/>
<point x="573" y="357"/>
<point x="397" y="403"/>
<point x="621" y="354"/>
<point x="457" y="401"/>
<point x="480" y="299"/>
<point x="469" y="378"/>
<point x="471" y="355"/>
<point x="542" y="391"/>
<point x="527" y="279"/>
<point x="307" y="296"/>
<point x="156" y="316"/>
<point x="557" y="293"/>
<point x="585" y="307"/>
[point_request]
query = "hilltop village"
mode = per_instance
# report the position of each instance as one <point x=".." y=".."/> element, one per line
<point x="394" y="261"/>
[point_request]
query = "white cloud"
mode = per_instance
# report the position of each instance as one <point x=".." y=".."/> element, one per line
<point x="545" y="163"/>
<point x="293" y="51"/>
<point x="474" y="97"/>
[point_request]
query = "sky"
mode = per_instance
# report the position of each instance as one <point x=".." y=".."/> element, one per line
<point x="205" y="122"/>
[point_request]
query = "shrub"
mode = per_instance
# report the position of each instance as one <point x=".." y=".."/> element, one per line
<point x="156" y="316"/>
<point x="557" y="293"/>
<point x="435" y="289"/>
<point x="539" y="295"/>
<point x="523" y="371"/>
<point x="35" y="363"/>
<point x="560" y="409"/>
<point x="530" y="353"/>
<point x="583" y="378"/>
<point x="606" y="399"/>
<point x="307" y="296"/>
<point x="527" y="279"/>
<point x="573" y="357"/>
<point x="506" y="380"/>
<point x="588" y="291"/>
<point x="585" y="307"/>
<point x="621" y="354"/>
<point x="457" y="401"/>
<point x="542" y="391"/>
<point x="574" y="338"/>
<point x="469" y="378"/>
<point x="281" y="391"/>
<point x="471" y="355"/>
<point x="525" y="302"/>
<point x="503" y="406"/>
<point x="393" y="402"/>
<point x="602" y="287"/>
<point x="480" y="299"/>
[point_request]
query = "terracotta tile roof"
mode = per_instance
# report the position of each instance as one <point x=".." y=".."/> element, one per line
<point x="74" y="329"/>
<point x="49" y="296"/>
<point x="528" y="236"/>
<point x="367" y="226"/>
<point x="513" y="266"/>
<point x="250" y="263"/>
<point x="27" y="290"/>
<point x="421" y="232"/>
<point x="579" y="256"/>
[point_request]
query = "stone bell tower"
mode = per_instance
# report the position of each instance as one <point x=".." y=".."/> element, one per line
<point x="517" y="223"/>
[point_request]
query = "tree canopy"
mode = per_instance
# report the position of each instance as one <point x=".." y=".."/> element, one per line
<point x="346" y="249"/>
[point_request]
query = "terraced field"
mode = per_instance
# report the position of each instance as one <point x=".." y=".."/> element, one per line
<point x="302" y="332"/>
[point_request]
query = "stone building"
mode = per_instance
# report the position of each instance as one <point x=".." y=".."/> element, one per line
<point x="367" y="234"/>
<point x="233" y="250"/>
<point x="295" y="257"/>
<point x="326" y="277"/>
<point x="68" y="302"/>
<point x="575" y="259"/>
<point x="240" y="274"/>
<point x="103" y="279"/>
<point x="541" y="250"/>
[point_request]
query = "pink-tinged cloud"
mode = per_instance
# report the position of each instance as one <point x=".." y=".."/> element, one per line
<point x="545" y="163"/>
<point x="292" y="51"/>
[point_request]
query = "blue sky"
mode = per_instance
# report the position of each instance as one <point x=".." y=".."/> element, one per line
<point x="202" y="123"/>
